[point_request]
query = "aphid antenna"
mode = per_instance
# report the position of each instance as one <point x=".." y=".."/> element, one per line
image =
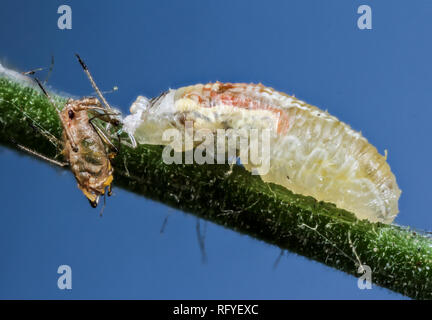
<point x="36" y="126"/>
<point x="113" y="121"/>
<point x="50" y="70"/>
<point x="114" y="89"/>
<point x="103" y="135"/>
<point x="133" y="143"/>
<point x="71" y="140"/>
<point x="32" y="152"/>
<point x="33" y="71"/>
<point x="93" y="83"/>
<point x="99" y="93"/>
<point x="48" y="96"/>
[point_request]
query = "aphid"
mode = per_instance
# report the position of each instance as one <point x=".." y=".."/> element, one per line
<point x="85" y="146"/>
<point x="312" y="152"/>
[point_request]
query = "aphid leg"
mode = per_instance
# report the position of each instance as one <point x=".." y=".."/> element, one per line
<point x="48" y="96"/>
<point x="89" y="105"/>
<point x="103" y="135"/>
<point x="93" y="104"/>
<point x="133" y="143"/>
<point x="94" y="203"/>
<point x="99" y="93"/>
<point x="32" y="72"/>
<point x="105" y="116"/>
<point x="71" y="140"/>
<point x="69" y="136"/>
<point x="132" y="139"/>
<point x="49" y="70"/>
<point x="58" y="163"/>
<point x="103" y="207"/>
<point x="164" y="224"/>
<point x="276" y="263"/>
<point x="37" y="127"/>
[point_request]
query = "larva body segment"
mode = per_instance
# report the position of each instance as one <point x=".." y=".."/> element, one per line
<point x="312" y="152"/>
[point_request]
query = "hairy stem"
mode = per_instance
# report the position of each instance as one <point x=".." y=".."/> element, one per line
<point x="400" y="259"/>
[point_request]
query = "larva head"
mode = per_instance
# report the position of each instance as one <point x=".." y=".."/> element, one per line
<point x="150" y="118"/>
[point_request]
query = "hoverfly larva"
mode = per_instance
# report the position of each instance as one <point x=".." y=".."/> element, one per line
<point x="311" y="152"/>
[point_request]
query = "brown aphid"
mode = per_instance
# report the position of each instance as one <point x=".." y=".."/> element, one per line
<point x="85" y="150"/>
<point x="86" y="147"/>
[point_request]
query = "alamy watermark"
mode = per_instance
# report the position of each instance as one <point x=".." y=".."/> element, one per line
<point x="222" y="146"/>
<point x="365" y="20"/>
<point x="65" y="20"/>
<point x="65" y="280"/>
<point x="365" y="280"/>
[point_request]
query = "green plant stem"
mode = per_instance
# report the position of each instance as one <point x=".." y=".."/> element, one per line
<point x="400" y="258"/>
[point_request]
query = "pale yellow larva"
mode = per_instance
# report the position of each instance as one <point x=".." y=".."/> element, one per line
<point x="312" y="152"/>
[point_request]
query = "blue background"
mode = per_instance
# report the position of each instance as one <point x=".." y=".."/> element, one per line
<point x="379" y="81"/>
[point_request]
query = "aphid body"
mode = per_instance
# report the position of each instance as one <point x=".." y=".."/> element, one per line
<point x="85" y="151"/>
<point x="312" y="152"/>
<point x="86" y="146"/>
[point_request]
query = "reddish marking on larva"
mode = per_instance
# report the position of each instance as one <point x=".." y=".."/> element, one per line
<point x="237" y="95"/>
